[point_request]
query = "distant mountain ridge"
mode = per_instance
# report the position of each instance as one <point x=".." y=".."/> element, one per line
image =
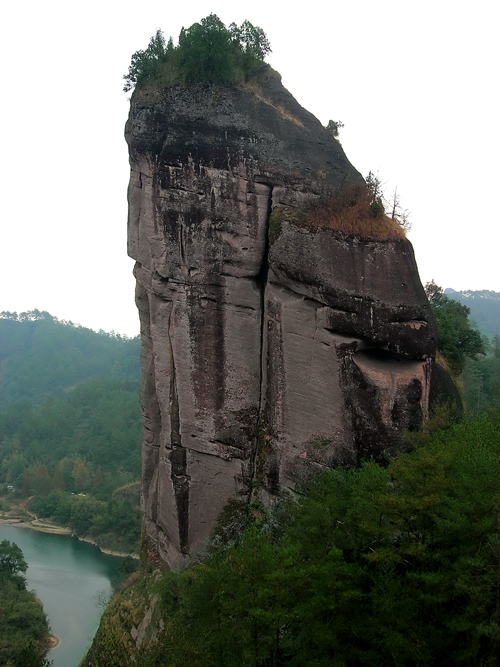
<point x="41" y="356"/>
<point x="484" y="308"/>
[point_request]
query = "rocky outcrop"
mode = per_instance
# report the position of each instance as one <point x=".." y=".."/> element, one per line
<point x="130" y="626"/>
<point x="260" y="359"/>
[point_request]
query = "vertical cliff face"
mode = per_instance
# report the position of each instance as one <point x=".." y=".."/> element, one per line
<point x="259" y="357"/>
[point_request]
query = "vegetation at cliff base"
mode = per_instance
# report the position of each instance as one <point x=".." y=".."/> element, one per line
<point x="70" y="427"/>
<point x="472" y="359"/>
<point x="396" y="565"/>
<point x="206" y="51"/>
<point x="23" y="624"/>
<point x="458" y="336"/>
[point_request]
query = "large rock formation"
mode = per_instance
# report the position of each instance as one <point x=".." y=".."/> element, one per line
<point x="259" y="358"/>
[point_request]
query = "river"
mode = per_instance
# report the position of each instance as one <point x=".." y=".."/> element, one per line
<point x="72" y="579"/>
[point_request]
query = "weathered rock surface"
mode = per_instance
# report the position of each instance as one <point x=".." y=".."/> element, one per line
<point x="258" y="359"/>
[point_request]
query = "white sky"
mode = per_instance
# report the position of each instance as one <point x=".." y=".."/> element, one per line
<point x="415" y="84"/>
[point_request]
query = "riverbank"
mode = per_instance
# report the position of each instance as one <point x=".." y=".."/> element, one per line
<point x="109" y="552"/>
<point x="35" y="525"/>
<point x="54" y="529"/>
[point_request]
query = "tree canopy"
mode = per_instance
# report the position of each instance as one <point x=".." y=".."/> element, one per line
<point x="11" y="559"/>
<point x="395" y="565"/>
<point x="207" y="51"/>
<point x="23" y="624"/>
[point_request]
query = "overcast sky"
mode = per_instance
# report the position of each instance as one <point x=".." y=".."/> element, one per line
<point x="415" y="84"/>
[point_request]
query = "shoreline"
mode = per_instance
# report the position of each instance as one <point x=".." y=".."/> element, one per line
<point x="108" y="552"/>
<point x="43" y="527"/>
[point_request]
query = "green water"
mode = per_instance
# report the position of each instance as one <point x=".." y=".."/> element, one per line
<point x="70" y="578"/>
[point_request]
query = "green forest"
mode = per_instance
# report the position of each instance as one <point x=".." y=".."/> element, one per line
<point x="23" y="625"/>
<point x="70" y="430"/>
<point x="41" y="357"/>
<point x="395" y="565"/>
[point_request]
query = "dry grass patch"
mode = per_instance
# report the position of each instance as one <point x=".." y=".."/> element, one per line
<point x="352" y="212"/>
<point x="255" y="89"/>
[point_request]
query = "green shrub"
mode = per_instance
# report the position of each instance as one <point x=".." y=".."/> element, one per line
<point x="275" y="220"/>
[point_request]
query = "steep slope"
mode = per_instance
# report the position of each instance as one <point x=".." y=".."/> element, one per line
<point x="259" y="359"/>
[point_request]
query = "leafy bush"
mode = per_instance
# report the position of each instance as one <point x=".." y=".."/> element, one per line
<point x="334" y="126"/>
<point x="207" y="51"/>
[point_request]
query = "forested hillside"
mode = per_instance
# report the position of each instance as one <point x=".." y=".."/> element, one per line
<point x="41" y="356"/>
<point x="484" y="308"/>
<point x="481" y="379"/>
<point x="70" y="426"/>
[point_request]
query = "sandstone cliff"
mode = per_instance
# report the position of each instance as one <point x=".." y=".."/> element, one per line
<point x="259" y="358"/>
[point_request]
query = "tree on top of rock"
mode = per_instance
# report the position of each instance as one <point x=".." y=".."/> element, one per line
<point x="207" y="51"/>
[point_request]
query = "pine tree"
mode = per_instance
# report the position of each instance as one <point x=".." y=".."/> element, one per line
<point x="81" y="476"/>
<point x="58" y="480"/>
